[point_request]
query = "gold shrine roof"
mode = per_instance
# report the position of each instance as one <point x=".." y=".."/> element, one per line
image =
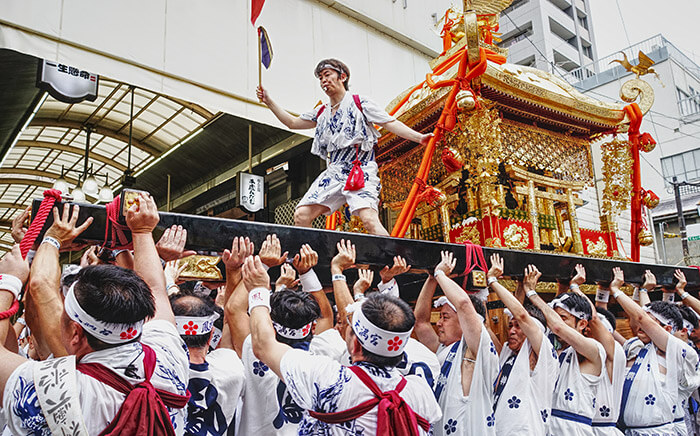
<point x="525" y="92"/>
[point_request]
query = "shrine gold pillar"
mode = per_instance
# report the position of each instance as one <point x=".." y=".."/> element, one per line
<point x="573" y="222"/>
<point x="532" y="209"/>
<point x="445" y="218"/>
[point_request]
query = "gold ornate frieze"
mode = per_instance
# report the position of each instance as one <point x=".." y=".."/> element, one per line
<point x="516" y="236"/>
<point x="599" y="247"/>
<point x="568" y="158"/>
<point x="201" y="267"/>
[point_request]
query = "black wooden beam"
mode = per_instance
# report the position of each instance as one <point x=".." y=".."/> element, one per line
<point x="216" y="234"/>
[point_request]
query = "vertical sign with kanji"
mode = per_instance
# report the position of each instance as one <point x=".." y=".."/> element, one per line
<point x="251" y="192"/>
<point x="67" y="83"/>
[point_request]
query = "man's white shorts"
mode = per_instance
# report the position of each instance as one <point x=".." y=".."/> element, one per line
<point x="328" y="189"/>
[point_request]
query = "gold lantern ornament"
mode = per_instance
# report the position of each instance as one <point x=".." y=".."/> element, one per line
<point x="645" y="237"/>
<point x="649" y="199"/>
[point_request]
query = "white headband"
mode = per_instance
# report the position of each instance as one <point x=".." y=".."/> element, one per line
<point x="687" y="325"/>
<point x="376" y="340"/>
<point x="660" y="318"/>
<point x="559" y="302"/>
<point x="215" y="337"/>
<point x="290" y="333"/>
<point x="605" y="322"/>
<point x="442" y="301"/>
<point x="195" y="325"/>
<point x="537" y="321"/>
<point x="328" y="67"/>
<point x="111" y="333"/>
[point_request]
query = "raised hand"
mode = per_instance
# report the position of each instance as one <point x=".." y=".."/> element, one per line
<point x="288" y="277"/>
<point x="364" y="281"/>
<point x="580" y="277"/>
<point x="142" y="216"/>
<point x="171" y="245"/>
<point x="172" y="271"/>
<point x="13" y="264"/>
<point x="89" y="257"/>
<point x="531" y="276"/>
<point x="618" y="278"/>
<point x="496" y="269"/>
<point x="306" y="259"/>
<point x="240" y="249"/>
<point x="682" y="282"/>
<point x="345" y="257"/>
<point x="271" y="251"/>
<point x="398" y="268"/>
<point x="254" y="274"/>
<point x="20" y="223"/>
<point x="447" y="263"/>
<point x="63" y="228"/>
<point x="649" y="281"/>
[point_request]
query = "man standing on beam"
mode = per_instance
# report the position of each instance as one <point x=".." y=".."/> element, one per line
<point x="345" y="137"/>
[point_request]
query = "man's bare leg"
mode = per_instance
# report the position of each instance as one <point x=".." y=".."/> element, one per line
<point x="305" y="215"/>
<point x="370" y="219"/>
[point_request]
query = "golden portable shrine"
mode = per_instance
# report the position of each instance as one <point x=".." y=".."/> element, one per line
<point x="511" y="154"/>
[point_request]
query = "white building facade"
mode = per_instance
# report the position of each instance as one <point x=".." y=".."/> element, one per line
<point x="548" y="34"/>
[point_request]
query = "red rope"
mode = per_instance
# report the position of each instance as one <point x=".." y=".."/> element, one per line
<point x="474" y="257"/>
<point x="50" y="197"/>
<point x="115" y="233"/>
<point x="11" y="311"/>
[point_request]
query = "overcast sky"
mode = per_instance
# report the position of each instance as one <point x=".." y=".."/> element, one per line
<point x="677" y="20"/>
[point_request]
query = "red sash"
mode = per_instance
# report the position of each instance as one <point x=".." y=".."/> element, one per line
<point x="143" y="411"/>
<point x="394" y="416"/>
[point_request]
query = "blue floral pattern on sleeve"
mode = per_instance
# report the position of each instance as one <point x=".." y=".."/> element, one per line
<point x="25" y="406"/>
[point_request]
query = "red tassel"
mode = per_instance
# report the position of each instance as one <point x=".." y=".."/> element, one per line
<point x="451" y="163"/>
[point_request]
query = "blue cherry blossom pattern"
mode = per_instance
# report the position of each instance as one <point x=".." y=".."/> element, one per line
<point x="514" y="402"/>
<point x="604" y="411"/>
<point x="650" y="400"/>
<point x="259" y="368"/>
<point x="490" y="420"/>
<point x="593" y="403"/>
<point x="493" y="349"/>
<point x="673" y="410"/>
<point x="544" y="415"/>
<point x="451" y="426"/>
<point x="684" y="353"/>
<point x="568" y="395"/>
<point x="648" y="367"/>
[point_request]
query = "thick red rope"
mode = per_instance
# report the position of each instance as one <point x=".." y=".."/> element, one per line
<point x="115" y="233"/>
<point x="11" y="311"/>
<point x="50" y="197"/>
<point x="474" y="257"/>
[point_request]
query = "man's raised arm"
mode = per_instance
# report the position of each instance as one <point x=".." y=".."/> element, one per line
<point x="285" y="117"/>
<point x="44" y="303"/>
<point x="142" y="217"/>
<point x="656" y="333"/>
<point x="236" y="299"/>
<point x="424" y="329"/>
<point x="584" y="346"/>
<point x="532" y="331"/>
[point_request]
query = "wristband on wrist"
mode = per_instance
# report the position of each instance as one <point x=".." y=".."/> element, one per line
<point x="439" y="272"/>
<point x="530" y="293"/>
<point x="310" y="282"/>
<point x="616" y="294"/>
<point x="491" y="280"/>
<point x="685" y="295"/>
<point x="52" y="241"/>
<point x="340" y="277"/>
<point x="574" y="286"/>
<point x="11" y="283"/>
<point x="602" y="295"/>
<point x="359" y="296"/>
<point x="635" y="294"/>
<point x="116" y="253"/>
<point x="258" y="297"/>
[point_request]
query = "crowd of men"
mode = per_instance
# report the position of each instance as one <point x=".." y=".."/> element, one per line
<point x="122" y="346"/>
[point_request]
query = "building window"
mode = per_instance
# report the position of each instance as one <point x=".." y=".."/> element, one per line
<point x="688" y="102"/>
<point x="583" y="21"/>
<point x="685" y="166"/>
<point x="524" y="32"/>
<point x="588" y="51"/>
